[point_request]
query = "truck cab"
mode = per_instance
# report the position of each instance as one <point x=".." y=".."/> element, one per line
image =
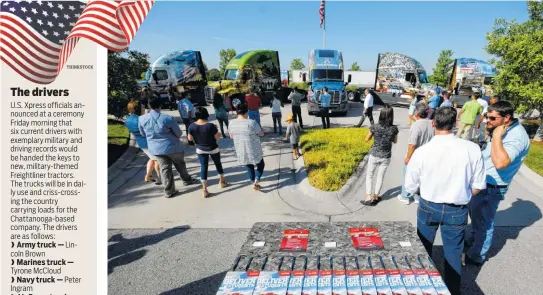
<point x="180" y="70"/>
<point x="256" y="69"/>
<point x="326" y="70"/>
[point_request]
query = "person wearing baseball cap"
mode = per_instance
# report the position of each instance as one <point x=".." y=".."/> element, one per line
<point x="293" y="133"/>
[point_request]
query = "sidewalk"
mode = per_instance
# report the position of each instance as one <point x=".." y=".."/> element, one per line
<point x="285" y="196"/>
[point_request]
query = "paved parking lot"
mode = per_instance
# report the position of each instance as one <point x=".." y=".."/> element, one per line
<point x="185" y="244"/>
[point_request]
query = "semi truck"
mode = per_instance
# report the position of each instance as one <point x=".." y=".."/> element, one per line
<point x="181" y="70"/>
<point x="469" y="75"/>
<point x="397" y="74"/>
<point x="326" y="70"/>
<point x="257" y="69"/>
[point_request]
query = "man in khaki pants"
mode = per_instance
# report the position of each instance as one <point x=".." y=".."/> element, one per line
<point x="467" y="115"/>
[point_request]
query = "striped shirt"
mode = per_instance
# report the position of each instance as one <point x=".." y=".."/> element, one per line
<point x="246" y="141"/>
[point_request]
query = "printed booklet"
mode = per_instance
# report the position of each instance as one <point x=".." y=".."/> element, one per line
<point x="295" y="240"/>
<point x="366" y="238"/>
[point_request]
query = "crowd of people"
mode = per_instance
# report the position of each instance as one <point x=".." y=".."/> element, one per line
<point x="159" y="136"/>
<point x="452" y="176"/>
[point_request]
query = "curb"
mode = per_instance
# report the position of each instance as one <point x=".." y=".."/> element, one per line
<point x="304" y="186"/>
<point x="533" y="177"/>
<point x="126" y="158"/>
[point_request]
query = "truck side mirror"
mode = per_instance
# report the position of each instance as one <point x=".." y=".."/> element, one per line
<point x="155" y="77"/>
<point x="349" y="78"/>
<point x="304" y="78"/>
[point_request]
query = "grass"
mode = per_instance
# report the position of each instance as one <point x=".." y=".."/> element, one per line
<point x="117" y="133"/>
<point x="534" y="160"/>
<point x="332" y="155"/>
<point x="117" y="140"/>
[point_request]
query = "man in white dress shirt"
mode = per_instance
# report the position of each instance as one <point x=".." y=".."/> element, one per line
<point x="448" y="171"/>
<point x="368" y="109"/>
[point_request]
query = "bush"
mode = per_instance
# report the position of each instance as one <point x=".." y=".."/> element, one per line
<point x="332" y="155"/>
<point x="351" y="88"/>
<point x="531" y="127"/>
<point x="300" y="85"/>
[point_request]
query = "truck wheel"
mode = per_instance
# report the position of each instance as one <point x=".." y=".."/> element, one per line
<point x="351" y="96"/>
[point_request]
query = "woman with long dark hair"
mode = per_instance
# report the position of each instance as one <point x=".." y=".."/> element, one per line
<point x="221" y="112"/>
<point x="206" y="135"/>
<point x="384" y="134"/>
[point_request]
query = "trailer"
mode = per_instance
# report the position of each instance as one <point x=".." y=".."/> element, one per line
<point x="360" y="80"/>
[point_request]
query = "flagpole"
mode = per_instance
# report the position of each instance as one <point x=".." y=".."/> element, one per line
<point x="324" y="27"/>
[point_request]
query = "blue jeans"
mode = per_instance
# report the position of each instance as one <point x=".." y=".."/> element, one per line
<point x="482" y="210"/>
<point x="404" y="193"/>
<point x="204" y="164"/>
<point x="259" y="170"/>
<point x="453" y="220"/>
<point x="255" y="115"/>
<point x="277" y="121"/>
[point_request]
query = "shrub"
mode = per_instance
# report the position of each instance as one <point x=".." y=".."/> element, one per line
<point x="300" y="85"/>
<point x="351" y="88"/>
<point x="332" y="155"/>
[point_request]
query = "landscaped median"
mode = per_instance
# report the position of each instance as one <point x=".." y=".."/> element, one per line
<point x="332" y="155"/>
<point x="534" y="160"/>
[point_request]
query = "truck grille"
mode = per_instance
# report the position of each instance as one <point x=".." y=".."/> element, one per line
<point x="209" y="92"/>
<point x="336" y="96"/>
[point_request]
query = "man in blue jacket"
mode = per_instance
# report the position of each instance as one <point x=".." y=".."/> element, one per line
<point x="163" y="133"/>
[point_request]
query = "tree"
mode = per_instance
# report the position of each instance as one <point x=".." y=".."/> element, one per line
<point x="124" y="70"/>
<point x="297" y="64"/>
<point x="355" y="67"/>
<point x="139" y="60"/>
<point x="225" y="56"/>
<point x="443" y="68"/>
<point x="213" y="75"/>
<point x="518" y="48"/>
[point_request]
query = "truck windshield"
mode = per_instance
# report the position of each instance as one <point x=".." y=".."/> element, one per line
<point x="147" y="75"/>
<point x="327" y="75"/>
<point x="231" y="74"/>
<point x="423" y="78"/>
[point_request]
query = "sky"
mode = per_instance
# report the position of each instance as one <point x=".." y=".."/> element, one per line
<point x="359" y="29"/>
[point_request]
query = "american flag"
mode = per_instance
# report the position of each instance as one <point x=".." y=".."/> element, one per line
<point x="321" y="12"/>
<point x="37" y="37"/>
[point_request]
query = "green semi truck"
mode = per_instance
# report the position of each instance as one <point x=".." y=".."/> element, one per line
<point x="257" y="69"/>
